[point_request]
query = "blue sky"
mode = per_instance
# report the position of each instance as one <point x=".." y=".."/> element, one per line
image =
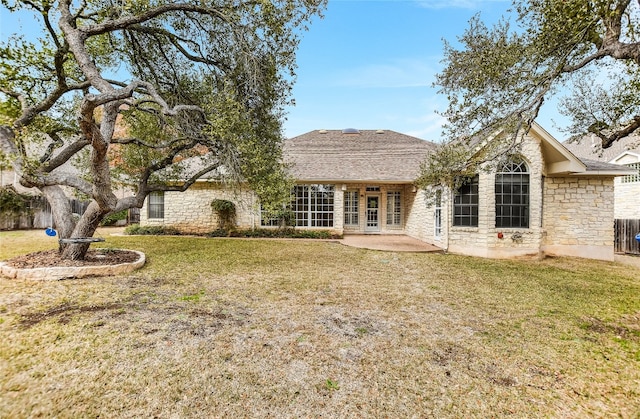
<point x="370" y="64"/>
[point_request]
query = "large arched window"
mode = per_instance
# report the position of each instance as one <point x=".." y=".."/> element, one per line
<point x="512" y="195"/>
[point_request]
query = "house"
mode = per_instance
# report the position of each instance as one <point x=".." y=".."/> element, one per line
<point x="543" y="201"/>
<point x="624" y="152"/>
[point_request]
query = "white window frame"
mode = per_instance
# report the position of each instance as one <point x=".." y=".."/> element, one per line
<point x="394" y="208"/>
<point x="155" y="205"/>
<point x="437" y="215"/>
<point x="352" y="208"/>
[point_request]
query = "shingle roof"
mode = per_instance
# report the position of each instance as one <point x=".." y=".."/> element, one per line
<point x="588" y="148"/>
<point x="601" y="166"/>
<point x="370" y="155"/>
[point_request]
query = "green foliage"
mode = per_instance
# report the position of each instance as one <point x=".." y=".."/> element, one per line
<point x="110" y="219"/>
<point x="193" y="297"/>
<point x="138" y="230"/>
<point x="210" y="84"/>
<point x="226" y="211"/>
<point x="283" y="233"/>
<point x="331" y="385"/>
<point x="500" y="77"/>
<point x="13" y="202"/>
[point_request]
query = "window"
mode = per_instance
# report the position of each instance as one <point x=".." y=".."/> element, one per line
<point x="312" y="205"/>
<point x="632" y="178"/>
<point x="155" y="205"/>
<point x="512" y="195"/>
<point x="394" y="206"/>
<point x="351" y="208"/>
<point x="465" y="204"/>
<point x="437" y="223"/>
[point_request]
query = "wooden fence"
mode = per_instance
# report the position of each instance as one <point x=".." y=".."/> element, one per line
<point x="625" y="236"/>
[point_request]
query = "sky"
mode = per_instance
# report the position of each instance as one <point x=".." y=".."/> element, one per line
<point x="371" y="64"/>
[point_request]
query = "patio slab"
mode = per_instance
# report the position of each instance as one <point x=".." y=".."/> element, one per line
<point x="389" y="243"/>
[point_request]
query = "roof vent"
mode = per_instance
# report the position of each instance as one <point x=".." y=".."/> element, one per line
<point x="350" y="131"/>
<point x="379" y="131"/>
<point x="322" y="131"/>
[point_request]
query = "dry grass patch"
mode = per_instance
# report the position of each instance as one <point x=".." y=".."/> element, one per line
<point x="246" y="328"/>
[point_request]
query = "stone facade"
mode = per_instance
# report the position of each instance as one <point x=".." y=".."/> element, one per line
<point x="627" y="200"/>
<point x="190" y="211"/>
<point x="486" y="240"/>
<point x="570" y="209"/>
<point x="578" y="217"/>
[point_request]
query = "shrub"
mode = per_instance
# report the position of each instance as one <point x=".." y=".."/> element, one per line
<point x="112" y="217"/>
<point x="226" y="211"/>
<point x="14" y="202"/>
<point x="285" y="233"/>
<point x="136" y="229"/>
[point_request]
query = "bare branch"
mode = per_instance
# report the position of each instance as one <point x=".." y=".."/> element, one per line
<point x="608" y="140"/>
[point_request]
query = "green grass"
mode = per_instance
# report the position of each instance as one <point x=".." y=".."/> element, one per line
<point x="256" y="328"/>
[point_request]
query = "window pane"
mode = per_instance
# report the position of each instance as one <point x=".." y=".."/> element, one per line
<point x="512" y="196"/>
<point x="351" y="208"/>
<point x="465" y="204"/>
<point x="155" y="205"/>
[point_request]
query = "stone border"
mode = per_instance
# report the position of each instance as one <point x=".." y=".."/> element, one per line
<point x="66" y="272"/>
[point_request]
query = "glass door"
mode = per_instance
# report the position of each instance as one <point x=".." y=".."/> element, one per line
<point x="373" y="213"/>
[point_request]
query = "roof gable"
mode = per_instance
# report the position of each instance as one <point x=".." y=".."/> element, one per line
<point x="559" y="160"/>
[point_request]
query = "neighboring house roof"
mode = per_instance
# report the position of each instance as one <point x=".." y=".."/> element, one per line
<point x="352" y="155"/>
<point x="560" y="160"/>
<point x="589" y="147"/>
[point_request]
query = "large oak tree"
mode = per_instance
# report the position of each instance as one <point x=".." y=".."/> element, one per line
<point x="497" y="78"/>
<point x="150" y="93"/>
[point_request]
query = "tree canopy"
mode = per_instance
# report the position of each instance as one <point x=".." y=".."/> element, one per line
<point x="499" y="77"/>
<point x="149" y="93"/>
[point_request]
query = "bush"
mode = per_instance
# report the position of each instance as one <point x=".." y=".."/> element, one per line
<point x="226" y="211"/>
<point x="285" y="233"/>
<point x="136" y="229"/>
<point x="14" y="202"/>
<point x="112" y="217"/>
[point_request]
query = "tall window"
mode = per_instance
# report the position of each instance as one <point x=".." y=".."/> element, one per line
<point x="437" y="222"/>
<point x="512" y="195"/>
<point x="312" y="205"/>
<point x="394" y="207"/>
<point x="465" y="204"/>
<point x="351" y="208"/>
<point x="155" y="205"/>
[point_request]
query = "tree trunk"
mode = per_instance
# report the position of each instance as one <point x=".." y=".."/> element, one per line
<point x="86" y="227"/>
<point x="60" y="210"/>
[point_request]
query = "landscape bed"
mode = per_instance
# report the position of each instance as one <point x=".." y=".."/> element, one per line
<point x="255" y="328"/>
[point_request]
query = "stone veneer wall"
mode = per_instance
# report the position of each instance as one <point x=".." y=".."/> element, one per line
<point x="483" y="240"/>
<point x="578" y="217"/>
<point x="420" y="221"/>
<point x="190" y="211"/>
<point x="627" y="200"/>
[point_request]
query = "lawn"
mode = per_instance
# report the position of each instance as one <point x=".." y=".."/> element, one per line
<point x="285" y="328"/>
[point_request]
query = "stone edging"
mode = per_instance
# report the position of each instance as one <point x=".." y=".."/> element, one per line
<point x="64" y="272"/>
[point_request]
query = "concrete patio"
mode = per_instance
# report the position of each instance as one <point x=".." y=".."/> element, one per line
<point x="389" y="243"/>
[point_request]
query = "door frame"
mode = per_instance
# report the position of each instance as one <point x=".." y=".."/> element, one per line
<point x="377" y="227"/>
